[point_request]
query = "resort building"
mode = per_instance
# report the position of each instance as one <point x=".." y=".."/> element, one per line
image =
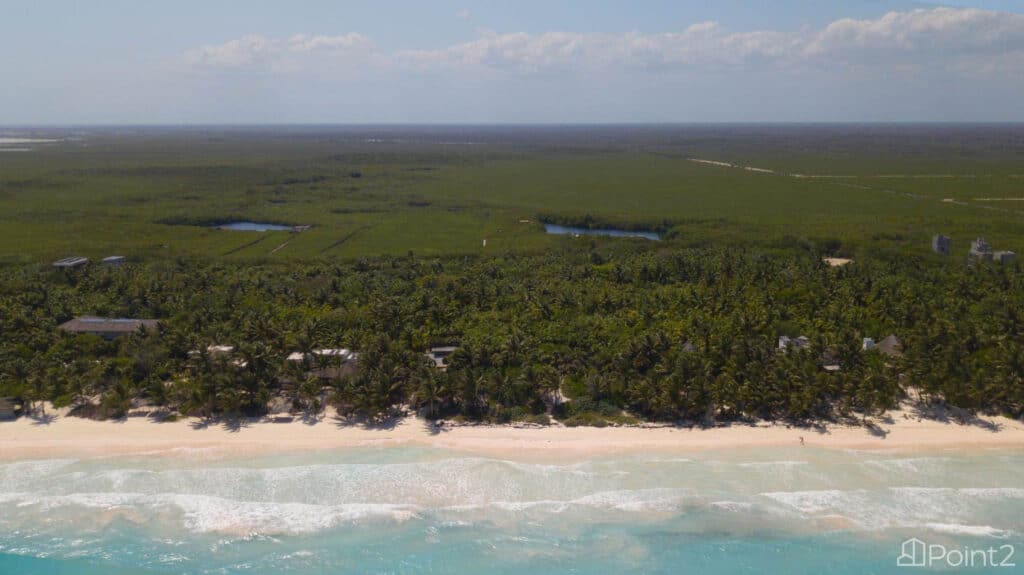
<point x="942" y="245"/>
<point x="113" y="261"/>
<point x="786" y="343"/>
<point x="439" y="355"/>
<point x="338" y="356"/>
<point x="328" y="364"/>
<point x="342" y="354"/>
<point x="890" y="346"/>
<point x="334" y="373"/>
<point x="980" y="249"/>
<point x="71" y="262"/>
<point x="215" y="350"/>
<point x="1004" y="257"/>
<point x="108" y="328"/>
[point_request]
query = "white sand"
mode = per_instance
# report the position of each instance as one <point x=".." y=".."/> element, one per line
<point x="68" y="436"/>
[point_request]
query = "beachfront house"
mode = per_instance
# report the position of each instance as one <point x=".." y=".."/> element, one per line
<point x="8" y="409"/>
<point x="980" y="250"/>
<point x="439" y="355"/>
<point x="70" y="263"/>
<point x="942" y="245"/>
<point x="327" y="364"/>
<point x="114" y="261"/>
<point x="334" y="373"/>
<point x="108" y="328"/>
<point x="215" y="350"/>
<point x="890" y="346"/>
<point x="787" y="343"/>
<point x="1004" y="257"/>
<point x="341" y="355"/>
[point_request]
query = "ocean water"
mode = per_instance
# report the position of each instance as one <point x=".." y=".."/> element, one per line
<point x="418" y="510"/>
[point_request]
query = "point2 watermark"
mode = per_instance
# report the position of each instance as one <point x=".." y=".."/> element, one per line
<point x="917" y="553"/>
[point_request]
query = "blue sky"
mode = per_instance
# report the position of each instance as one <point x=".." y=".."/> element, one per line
<point x="261" y="61"/>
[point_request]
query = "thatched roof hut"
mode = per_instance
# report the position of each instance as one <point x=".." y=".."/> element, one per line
<point x="890" y="346"/>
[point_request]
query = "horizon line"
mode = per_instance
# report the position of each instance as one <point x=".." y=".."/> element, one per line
<point x="516" y="124"/>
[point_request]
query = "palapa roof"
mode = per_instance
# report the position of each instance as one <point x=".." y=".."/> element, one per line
<point x="890" y="346"/>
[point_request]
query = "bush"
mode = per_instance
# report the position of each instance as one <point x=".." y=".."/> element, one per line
<point x="586" y="419"/>
<point x="538" y="419"/>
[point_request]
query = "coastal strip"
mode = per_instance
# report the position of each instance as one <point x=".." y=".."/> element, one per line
<point x="63" y="436"/>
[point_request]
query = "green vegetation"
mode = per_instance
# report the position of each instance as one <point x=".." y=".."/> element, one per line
<point x="606" y="327"/>
<point x="590" y="331"/>
<point x="153" y="195"/>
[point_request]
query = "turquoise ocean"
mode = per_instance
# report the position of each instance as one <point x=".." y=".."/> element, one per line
<point x="420" y="510"/>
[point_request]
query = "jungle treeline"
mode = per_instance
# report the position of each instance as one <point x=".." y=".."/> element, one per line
<point x="586" y="335"/>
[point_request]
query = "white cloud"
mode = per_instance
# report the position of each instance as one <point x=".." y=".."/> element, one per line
<point x="951" y="38"/>
<point x="939" y="32"/>
<point x="242" y="52"/>
<point x="260" y="52"/>
<point x="303" y="43"/>
<point x="947" y="39"/>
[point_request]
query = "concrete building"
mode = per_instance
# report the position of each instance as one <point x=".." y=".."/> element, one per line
<point x="942" y="245"/>
<point x="108" y="328"/>
<point x="114" y="261"/>
<point x="71" y="262"/>
<point x="980" y="249"/>
<point x="1004" y="257"/>
<point x="786" y="343"/>
<point x="439" y="355"/>
<point x="342" y="355"/>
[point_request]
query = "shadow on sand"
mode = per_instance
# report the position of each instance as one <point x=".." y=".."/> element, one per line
<point x="953" y="415"/>
<point x="42" y="418"/>
<point x="386" y="423"/>
<point x="231" y="424"/>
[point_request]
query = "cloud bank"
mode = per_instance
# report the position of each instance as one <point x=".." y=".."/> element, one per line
<point x="260" y="52"/>
<point x="949" y="39"/>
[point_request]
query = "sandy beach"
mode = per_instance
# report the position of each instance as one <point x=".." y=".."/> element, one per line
<point x="59" y="435"/>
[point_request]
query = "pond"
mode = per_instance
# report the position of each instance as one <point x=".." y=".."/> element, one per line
<point x="253" y="227"/>
<point x="567" y="230"/>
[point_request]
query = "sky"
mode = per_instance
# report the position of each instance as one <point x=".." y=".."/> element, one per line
<point x="510" y="61"/>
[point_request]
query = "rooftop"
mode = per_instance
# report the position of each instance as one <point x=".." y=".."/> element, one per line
<point x="90" y="324"/>
<point x="71" y="262"/>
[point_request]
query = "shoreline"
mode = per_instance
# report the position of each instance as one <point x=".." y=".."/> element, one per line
<point x="59" y="435"/>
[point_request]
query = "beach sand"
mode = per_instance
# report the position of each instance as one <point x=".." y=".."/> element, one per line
<point x="60" y="436"/>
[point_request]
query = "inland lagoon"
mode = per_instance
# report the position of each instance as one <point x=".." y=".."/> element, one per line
<point x="611" y="232"/>
<point x="254" y="227"/>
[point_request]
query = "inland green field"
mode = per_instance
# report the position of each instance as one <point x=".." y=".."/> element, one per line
<point x="151" y="193"/>
<point x="411" y="269"/>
